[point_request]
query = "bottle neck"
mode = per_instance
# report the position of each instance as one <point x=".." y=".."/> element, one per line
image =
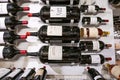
<point x="108" y="58"/>
<point x="21" y="36"/>
<point x="32" y="33"/>
<point x="21" y="22"/>
<point x="105" y="20"/>
<point x="103" y="9"/>
<point x="23" y="52"/>
<point x="33" y="15"/>
<point x="32" y="53"/>
<point x="105" y="33"/>
<point x="108" y="45"/>
<point x="23" y="9"/>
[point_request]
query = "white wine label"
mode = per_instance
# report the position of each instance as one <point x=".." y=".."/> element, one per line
<point x="96" y="45"/>
<point x="26" y="73"/>
<point x="116" y="71"/>
<point x="1" y="52"/>
<point x="2" y="37"/>
<point x="2" y="23"/>
<point x="95" y="59"/>
<point x="55" y="53"/>
<point x="54" y="30"/>
<point x="39" y="72"/>
<point x="93" y="20"/>
<point x="3" y="0"/>
<point x="93" y="33"/>
<point x="85" y="33"/>
<point x="3" y="8"/>
<point x="97" y="77"/>
<point x="4" y="71"/>
<point x="14" y="73"/>
<point x="91" y="9"/>
<point x="58" y="12"/>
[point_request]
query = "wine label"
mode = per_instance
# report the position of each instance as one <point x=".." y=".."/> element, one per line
<point x="58" y="12"/>
<point x="47" y="2"/>
<point x="93" y="33"/>
<point x="97" y="77"/>
<point x="1" y="52"/>
<point x="55" y="53"/>
<point x="3" y="8"/>
<point x="2" y="23"/>
<point x="54" y="30"/>
<point x="85" y="33"/>
<point x="2" y="37"/>
<point x="3" y="0"/>
<point x="96" y="45"/>
<point x="71" y="2"/>
<point x="14" y="73"/>
<point x="4" y="71"/>
<point x="39" y="72"/>
<point x="95" y="59"/>
<point x="91" y="9"/>
<point x="93" y="20"/>
<point x="116" y="71"/>
<point x="26" y="73"/>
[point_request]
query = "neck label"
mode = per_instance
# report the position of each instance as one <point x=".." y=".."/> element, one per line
<point x="58" y="12"/>
<point x="3" y="8"/>
<point x="1" y="52"/>
<point x="95" y="59"/>
<point x="55" y="53"/>
<point x="54" y="30"/>
<point x="2" y="37"/>
<point x="2" y="23"/>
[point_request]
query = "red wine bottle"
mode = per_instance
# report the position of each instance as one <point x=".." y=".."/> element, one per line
<point x="10" y="23"/>
<point x="41" y="74"/>
<point x="4" y="72"/>
<point x="9" y="52"/>
<point x="91" y="9"/>
<point x="28" y="74"/>
<point x="61" y="2"/>
<point x="10" y="9"/>
<point x="87" y="46"/>
<point x="66" y="34"/>
<point x="94" y="21"/>
<point x="59" y="54"/>
<point x="94" y="74"/>
<point x="10" y="37"/>
<point x="13" y="75"/>
<point x="58" y="14"/>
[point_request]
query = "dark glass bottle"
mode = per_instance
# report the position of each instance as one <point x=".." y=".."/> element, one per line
<point x="4" y="72"/>
<point x="94" y="59"/>
<point x="10" y="23"/>
<point x="91" y="9"/>
<point x="58" y="14"/>
<point x="94" y="74"/>
<point x="8" y="52"/>
<point x="11" y="9"/>
<point x="61" y="2"/>
<point x="28" y="74"/>
<point x="13" y="75"/>
<point x="10" y="37"/>
<point x="95" y="21"/>
<point x="48" y="34"/>
<point x="41" y="74"/>
<point x="87" y="46"/>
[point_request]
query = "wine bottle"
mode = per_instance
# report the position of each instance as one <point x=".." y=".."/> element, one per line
<point x="10" y="9"/>
<point x="94" y="74"/>
<point x="49" y="34"/>
<point x="87" y="46"/>
<point x="58" y="14"/>
<point x="41" y="74"/>
<point x="4" y="72"/>
<point x="94" y="21"/>
<point x="61" y="2"/>
<point x="10" y="23"/>
<point x="10" y="37"/>
<point x="8" y="52"/>
<point x="94" y="59"/>
<point x="114" y="70"/>
<point x="66" y="34"/>
<point x="13" y="75"/>
<point x="91" y="9"/>
<point x="115" y="2"/>
<point x="92" y="33"/>
<point x="28" y="74"/>
<point x="59" y="54"/>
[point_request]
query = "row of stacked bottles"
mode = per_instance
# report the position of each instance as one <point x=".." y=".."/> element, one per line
<point x="66" y="12"/>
